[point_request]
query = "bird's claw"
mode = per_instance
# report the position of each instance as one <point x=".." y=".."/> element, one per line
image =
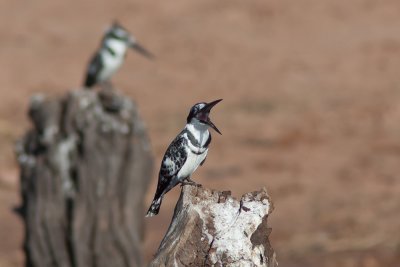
<point x="190" y="182"/>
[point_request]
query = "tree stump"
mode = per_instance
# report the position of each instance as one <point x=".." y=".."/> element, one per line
<point x="85" y="167"/>
<point x="211" y="228"/>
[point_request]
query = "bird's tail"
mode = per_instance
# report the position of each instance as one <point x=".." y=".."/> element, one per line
<point x="154" y="207"/>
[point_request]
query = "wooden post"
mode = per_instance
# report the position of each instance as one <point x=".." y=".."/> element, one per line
<point x="211" y="228"/>
<point x="85" y="167"/>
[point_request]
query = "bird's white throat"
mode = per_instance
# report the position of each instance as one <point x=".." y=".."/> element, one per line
<point x="118" y="47"/>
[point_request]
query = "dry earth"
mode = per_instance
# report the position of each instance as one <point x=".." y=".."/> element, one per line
<point x="311" y="108"/>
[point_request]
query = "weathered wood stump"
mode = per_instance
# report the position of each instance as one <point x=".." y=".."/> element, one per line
<point x="85" y="167"/>
<point x="211" y="228"/>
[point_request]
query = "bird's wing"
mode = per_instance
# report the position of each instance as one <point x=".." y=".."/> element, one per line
<point x="173" y="160"/>
<point x="95" y="66"/>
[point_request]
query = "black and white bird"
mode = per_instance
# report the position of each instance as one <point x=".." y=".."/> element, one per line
<point x="185" y="154"/>
<point x="111" y="54"/>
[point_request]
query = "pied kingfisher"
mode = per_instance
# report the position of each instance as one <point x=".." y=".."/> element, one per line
<point x="110" y="56"/>
<point x="187" y="152"/>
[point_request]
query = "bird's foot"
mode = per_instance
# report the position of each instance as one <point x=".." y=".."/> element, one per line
<point x="189" y="181"/>
<point x="107" y="85"/>
<point x="111" y="100"/>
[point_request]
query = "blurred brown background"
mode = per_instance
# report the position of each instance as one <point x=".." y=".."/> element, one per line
<point x="311" y="108"/>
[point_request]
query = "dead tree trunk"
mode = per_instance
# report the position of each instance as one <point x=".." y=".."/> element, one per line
<point x="85" y="167"/>
<point x="211" y="228"/>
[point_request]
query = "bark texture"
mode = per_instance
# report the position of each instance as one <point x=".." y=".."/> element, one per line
<point x="211" y="228"/>
<point x="85" y="167"/>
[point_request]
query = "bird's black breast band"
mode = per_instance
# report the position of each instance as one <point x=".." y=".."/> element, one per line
<point x="195" y="143"/>
<point x="110" y="50"/>
<point x="197" y="153"/>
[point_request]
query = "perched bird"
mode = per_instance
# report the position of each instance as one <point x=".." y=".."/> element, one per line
<point x="110" y="56"/>
<point x="187" y="152"/>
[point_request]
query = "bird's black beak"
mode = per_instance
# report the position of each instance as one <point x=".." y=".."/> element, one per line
<point x="141" y="50"/>
<point x="204" y="114"/>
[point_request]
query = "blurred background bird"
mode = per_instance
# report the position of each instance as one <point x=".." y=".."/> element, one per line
<point x="111" y="54"/>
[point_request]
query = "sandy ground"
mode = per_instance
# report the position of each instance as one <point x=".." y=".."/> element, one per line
<point x="311" y="108"/>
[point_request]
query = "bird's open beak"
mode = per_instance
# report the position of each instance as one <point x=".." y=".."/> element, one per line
<point x="141" y="50"/>
<point x="205" y="111"/>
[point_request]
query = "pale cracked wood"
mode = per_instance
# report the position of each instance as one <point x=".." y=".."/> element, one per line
<point x="85" y="167"/>
<point x="211" y="228"/>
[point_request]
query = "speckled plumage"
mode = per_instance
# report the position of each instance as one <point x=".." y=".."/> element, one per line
<point x="177" y="154"/>
<point x="186" y="153"/>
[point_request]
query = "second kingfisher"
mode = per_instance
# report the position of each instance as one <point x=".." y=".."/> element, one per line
<point x="111" y="54"/>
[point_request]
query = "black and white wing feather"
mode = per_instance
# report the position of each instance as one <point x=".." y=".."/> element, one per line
<point x="94" y="68"/>
<point x="173" y="160"/>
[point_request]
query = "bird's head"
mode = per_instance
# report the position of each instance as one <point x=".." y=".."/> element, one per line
<point x="118" y="33"/>
<point x="200" y="112"/>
